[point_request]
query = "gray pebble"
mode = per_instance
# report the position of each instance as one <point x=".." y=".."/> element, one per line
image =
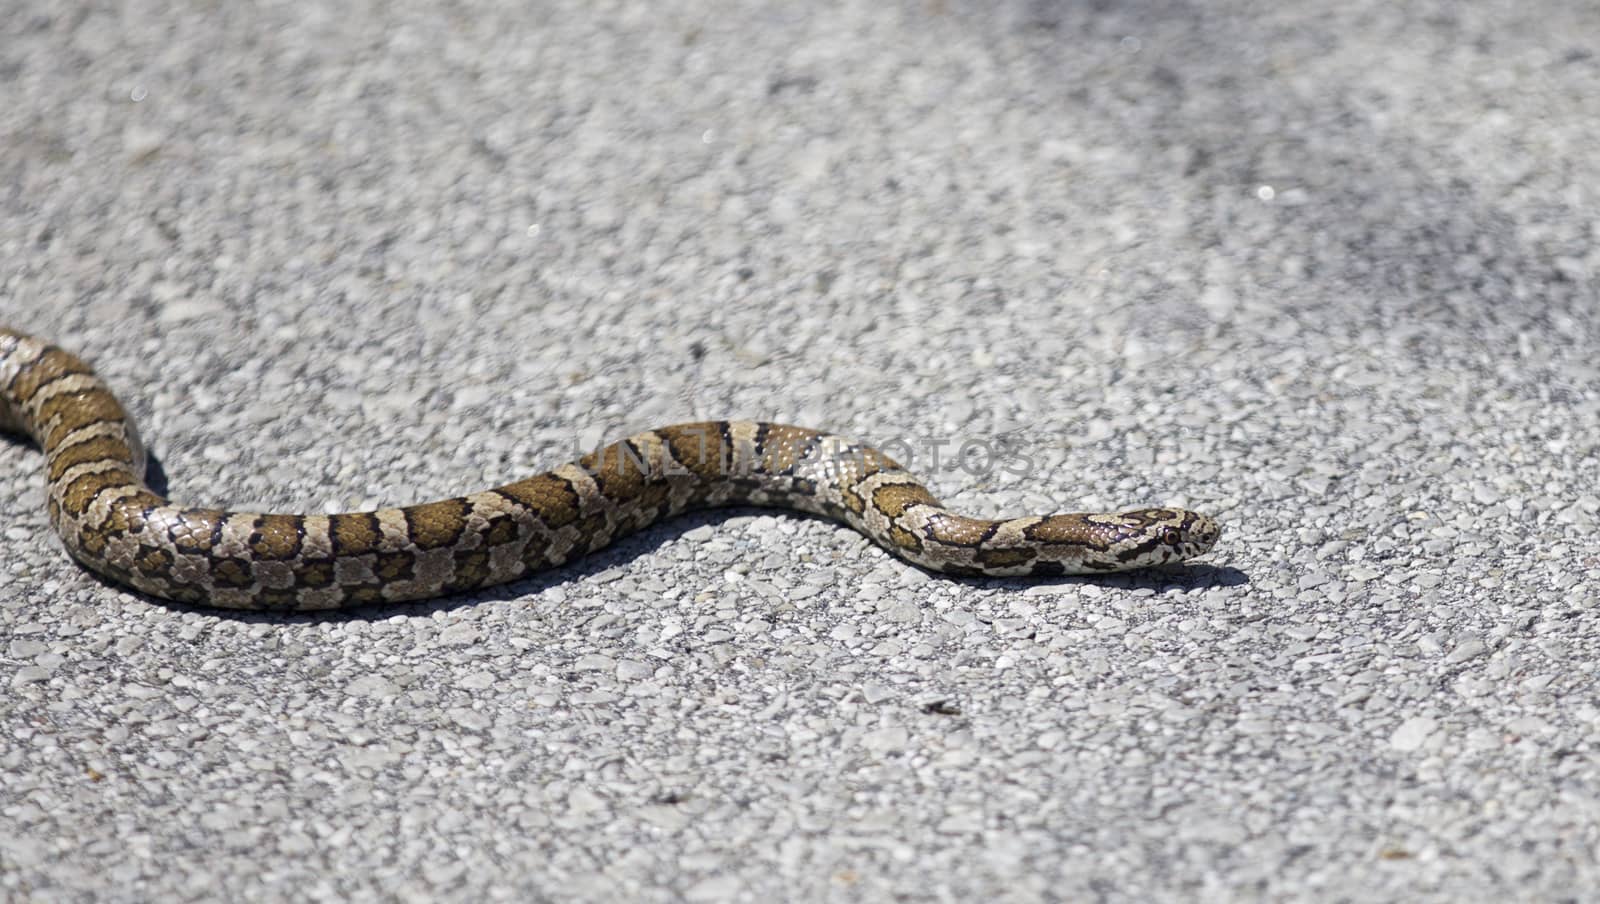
<point x="594" y="662"/>
<point x="1412" y="733"/>
<point x="1467" y="649"/>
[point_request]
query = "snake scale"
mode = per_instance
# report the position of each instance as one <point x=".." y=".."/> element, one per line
<point x="113" y="524"/>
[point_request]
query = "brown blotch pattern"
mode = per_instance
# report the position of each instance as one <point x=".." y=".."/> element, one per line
<point x="502" y="530"/>
<point x="278" y="599"/>
<point x="550" y="497"/>
<point x="314" y="573"/>
<point x="395" y="566"/>
<point x="471" y="570"/>
<point x="437" y="524"/>
<point x="85" y="488"/>
<point x="363" y="594"/>
<point x="533" y="555"/>
<point x="783" y="447"/>
<point x="67" y="414"/>
<point x="654" y="498"/>
<point x="904" y="539"/>
<point x="126" y="517"/>
<point x="354" y="534"/>
<point x="1005" y="558"/>
<point x="51" y="365"/>
<point x="593" y="530"/>
<point x="1067" y="529"/>
<point x="185" y="593"/>
<point x="194" y="531"/>
<point x="700" y="448"/>
<point x="101" y="448"/>
<point x="620" y="469"/>
<point x="154" y="560"/>
<point x="277" y="537"/>
<point x="853" y="501"/>
<point x="93" y="542"/>
<point x="232" y="573"/>
<point x="894" y="498"/>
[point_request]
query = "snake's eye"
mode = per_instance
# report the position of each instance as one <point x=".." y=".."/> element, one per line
<point x="1171" y="536"/>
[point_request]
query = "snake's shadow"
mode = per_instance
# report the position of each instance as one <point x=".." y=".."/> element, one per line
<point x="1183" y="576"/>
<point x="155" y="476"/>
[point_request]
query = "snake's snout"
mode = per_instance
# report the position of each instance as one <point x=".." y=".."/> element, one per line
<point x="1202" y="534"/>
<point x="1162" y="535"/>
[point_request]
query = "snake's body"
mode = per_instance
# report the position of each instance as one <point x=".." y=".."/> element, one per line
<point x="113" y="524"/>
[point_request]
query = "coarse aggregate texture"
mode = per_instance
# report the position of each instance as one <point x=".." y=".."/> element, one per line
<point x="1325" y="271"/>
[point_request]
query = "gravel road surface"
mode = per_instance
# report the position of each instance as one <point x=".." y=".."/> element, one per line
<point x="1327" y="272"/>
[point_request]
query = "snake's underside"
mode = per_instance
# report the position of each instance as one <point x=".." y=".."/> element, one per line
<point x="112" y="523"/>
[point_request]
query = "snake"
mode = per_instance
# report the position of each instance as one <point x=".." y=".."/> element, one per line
<point x="112" y="523"/>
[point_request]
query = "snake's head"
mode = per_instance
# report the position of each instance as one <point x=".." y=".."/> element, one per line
<point x="1171" y="535"/>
